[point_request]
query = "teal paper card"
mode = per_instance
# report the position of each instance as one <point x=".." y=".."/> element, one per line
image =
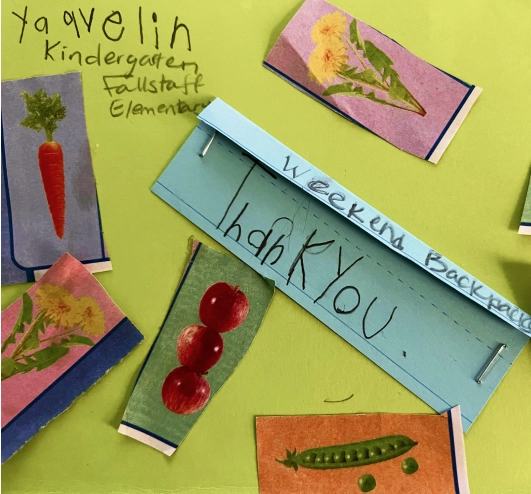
<point x="365" y="278"/>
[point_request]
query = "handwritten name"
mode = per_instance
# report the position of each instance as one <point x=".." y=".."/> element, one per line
<point x="176" y="74"/>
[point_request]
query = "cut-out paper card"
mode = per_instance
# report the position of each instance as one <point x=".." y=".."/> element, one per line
<point x="525" y="223"/>
<point x="213" y="319"/>
<point x="58" y="339"/>
<point x="420" y="317"/>
<point x="378" y="453"/>
<point x="49" y="200"/>
<point x="371" y="80"/>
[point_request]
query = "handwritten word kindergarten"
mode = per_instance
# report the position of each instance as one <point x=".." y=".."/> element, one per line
<point x="132" y="74"/>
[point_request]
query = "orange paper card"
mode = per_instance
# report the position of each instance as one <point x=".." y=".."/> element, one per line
<point x="378" y="453"/>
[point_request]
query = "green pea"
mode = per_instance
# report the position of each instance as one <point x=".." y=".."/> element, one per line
<point x="366" y="483"/>
<point x="329" y="457"/>
<point x="351" y="456"/>
<point x="319" y="458"/>
<point x="398" y="444"/>
<point x="374" y="451"/>
<point x="387" y="448"/>
<point x="309" y="458"/>
<point x="363" y="454"/>
<point x="339" y="457"/>
<point x="410" y="465"/>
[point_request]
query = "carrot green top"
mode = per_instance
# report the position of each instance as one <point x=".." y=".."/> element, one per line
<point x="43" y="112"/>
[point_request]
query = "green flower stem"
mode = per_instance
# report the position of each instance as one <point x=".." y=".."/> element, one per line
<point x="420" y="107"/>
<point x="39" y="317"/>
<point x="410" y="108"/>
<point x="61" y="334"/>
<point x="388" y="103"/>
<point x="413" y="106"/>
<point x="355" y="52"/>
<point x="366" y="84"/>
<point x="416" y="108"/>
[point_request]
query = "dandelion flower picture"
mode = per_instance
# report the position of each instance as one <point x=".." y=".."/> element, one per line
<point x="327" y="60"/>
<point x="48" y="335"/>
<point x="370" y="75"/>
<point x="329" y="27"/>
<point x="57" y="303"/>
<point x="92" y="320"/>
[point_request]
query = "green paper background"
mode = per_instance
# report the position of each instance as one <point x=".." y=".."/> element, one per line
<point x="145" y="409"/>
<point x="467" y="207"/>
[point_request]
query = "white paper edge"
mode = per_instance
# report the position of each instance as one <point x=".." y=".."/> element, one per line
<point x="454" y="127"/>
<point x="93" y="267"/>
<point x="459" y="449"/>
<point x="524" y="230"/>
<point x="146" y="439"/>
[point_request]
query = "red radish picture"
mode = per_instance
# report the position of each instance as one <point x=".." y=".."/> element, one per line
<point x="184" y="391"/>
<point x="222" y="308"/>
<point x="199" y="348"/>
<point x="43" y="114"/>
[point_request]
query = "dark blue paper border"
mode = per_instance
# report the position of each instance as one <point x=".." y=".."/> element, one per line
<point x="149" y="433"/>
<point x="110" y="350"/>
<point x="452" y="449"/>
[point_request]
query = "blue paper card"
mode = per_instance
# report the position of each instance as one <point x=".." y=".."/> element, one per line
<point x="370" y="281"/>
<point x="49" y="198"/>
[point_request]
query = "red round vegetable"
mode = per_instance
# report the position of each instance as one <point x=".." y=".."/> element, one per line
<point x="199" y="348"/>
<point x="223" y="307"/>
<point x="184" y="391"/>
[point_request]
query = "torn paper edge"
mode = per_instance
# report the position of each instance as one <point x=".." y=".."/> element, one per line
<point x="146" y="438"/>
<point x="6" y="455"/>
<point x="454" y="126"/>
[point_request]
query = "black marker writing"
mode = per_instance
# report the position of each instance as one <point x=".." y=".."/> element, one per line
<point x="364" y="322"/>
<point x="299" y="259"/>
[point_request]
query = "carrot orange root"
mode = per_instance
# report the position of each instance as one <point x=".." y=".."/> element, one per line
<point x="51" y="165"/>
<point x="43" y="113"/>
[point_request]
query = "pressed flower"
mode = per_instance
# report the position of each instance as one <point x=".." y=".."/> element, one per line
<point x="326" y="60"/>
<point x="329" y="27"/>
<point x="57" y="303"/>
<point x="91" y="318"/>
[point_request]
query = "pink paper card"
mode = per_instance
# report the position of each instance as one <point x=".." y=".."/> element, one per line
<point x="371" y="80"/>
<point x="58" y="339"/>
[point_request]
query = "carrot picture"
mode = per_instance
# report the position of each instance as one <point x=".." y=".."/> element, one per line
<point x="43" y="114"/>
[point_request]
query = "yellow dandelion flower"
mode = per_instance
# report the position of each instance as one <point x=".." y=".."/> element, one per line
<point x="92" y="319"/>
<point x="326" y="60"/>
<point x="328" y="27"/>
<point x="57" y="303"/>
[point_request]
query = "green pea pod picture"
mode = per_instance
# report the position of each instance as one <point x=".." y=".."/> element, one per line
<point x="349" y="455"/>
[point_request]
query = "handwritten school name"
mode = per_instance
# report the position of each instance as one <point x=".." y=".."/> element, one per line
<point x="180" y="77"/>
